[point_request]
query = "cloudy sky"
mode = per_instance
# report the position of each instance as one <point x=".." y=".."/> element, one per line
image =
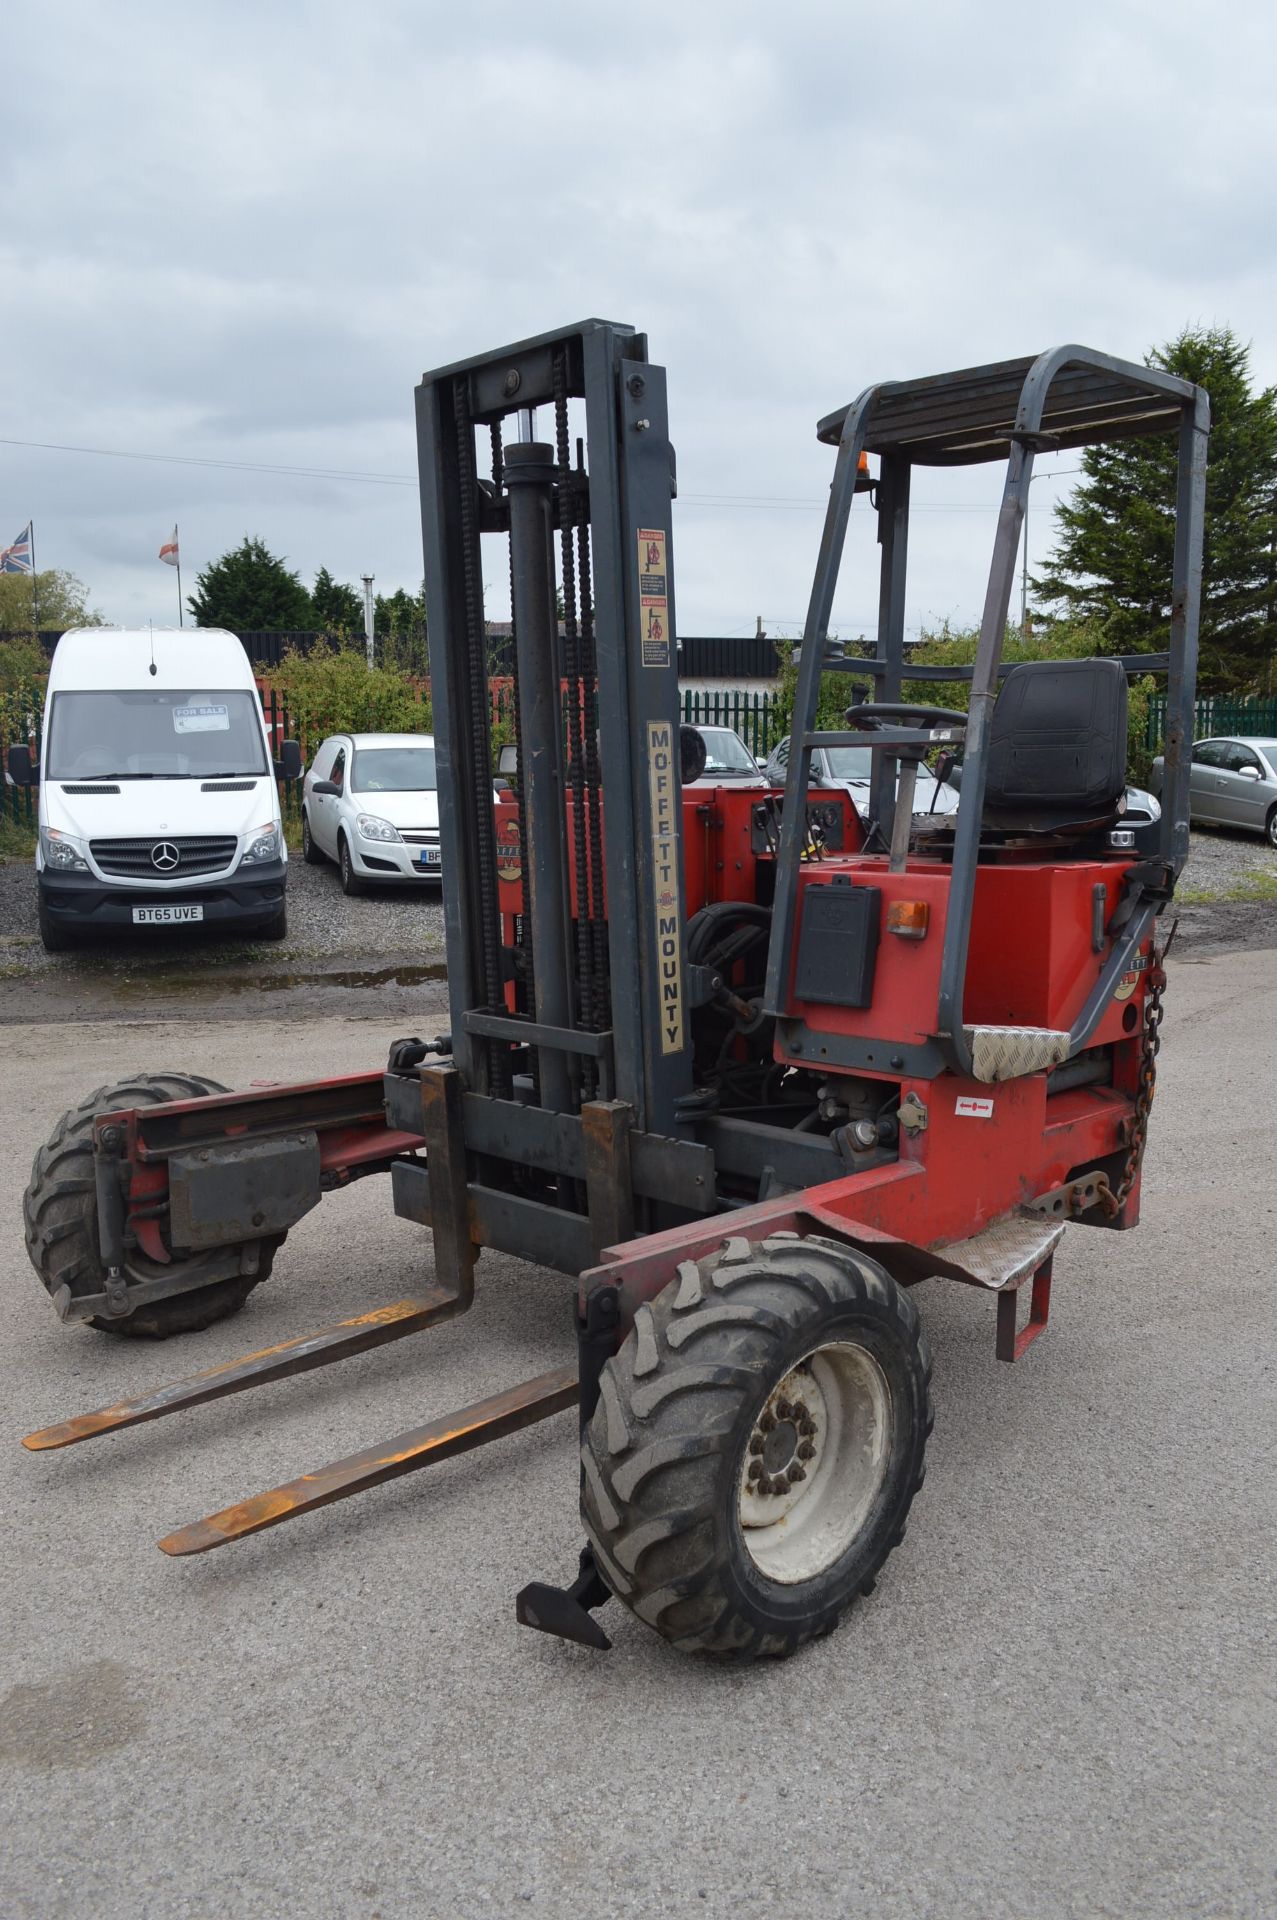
<point x="239" y="233"/>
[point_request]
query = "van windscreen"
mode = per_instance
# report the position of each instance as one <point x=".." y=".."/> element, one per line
<point x="161" y="734"/>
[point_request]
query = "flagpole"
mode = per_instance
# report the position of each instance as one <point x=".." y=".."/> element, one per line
<point x="35" y="582"/>
<point x="177" y="539"/>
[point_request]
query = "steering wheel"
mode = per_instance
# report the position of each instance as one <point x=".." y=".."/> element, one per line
<point x="876" y="714"/>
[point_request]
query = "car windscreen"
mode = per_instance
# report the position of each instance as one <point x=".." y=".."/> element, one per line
<point x="849" y="763"/>
<point x="157" y="734"/>
<point x="394" y="770"/>
<point x="725" y="751"/>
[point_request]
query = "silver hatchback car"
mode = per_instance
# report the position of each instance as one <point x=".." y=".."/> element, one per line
<point x="1232" y="783"/>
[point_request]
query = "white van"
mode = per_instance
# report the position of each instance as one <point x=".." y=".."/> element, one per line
<point x="158" y="803"/>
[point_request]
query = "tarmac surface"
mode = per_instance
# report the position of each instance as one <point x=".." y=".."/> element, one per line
<point x="1060" y="1701"/>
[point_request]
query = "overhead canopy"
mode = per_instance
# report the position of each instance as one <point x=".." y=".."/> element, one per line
<point x="959" y="419"/>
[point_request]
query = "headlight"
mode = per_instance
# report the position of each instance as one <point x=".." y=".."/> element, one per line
<point x="371" y="828"/>
<point x="263" y="845"/>
<point x="62" y="850"/>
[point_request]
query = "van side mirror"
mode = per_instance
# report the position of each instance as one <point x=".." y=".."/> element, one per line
<point x="21" y="771"/>
<point x="289" y="764"/>
<point x="508" y="762"/>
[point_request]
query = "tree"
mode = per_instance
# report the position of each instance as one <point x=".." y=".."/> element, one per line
<point x="399" y="619"/>
<point x="338" y="609"/>
<point x="50" y="601"/>
<point x="1114" y="541"/>
<point x="249" y="589"/>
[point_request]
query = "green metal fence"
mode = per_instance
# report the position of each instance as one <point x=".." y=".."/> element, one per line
<point x="21" y="711"/>
<point x="756" y="717"/>
<point x="1217" y="714"/>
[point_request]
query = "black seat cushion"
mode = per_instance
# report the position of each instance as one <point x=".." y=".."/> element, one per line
<point x="1057" y="745"/>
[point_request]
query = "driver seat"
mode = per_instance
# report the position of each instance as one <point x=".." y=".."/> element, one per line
<point x="1057" y="748"/>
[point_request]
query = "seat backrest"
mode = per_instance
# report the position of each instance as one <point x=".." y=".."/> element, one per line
<point x="1057" y="743"/>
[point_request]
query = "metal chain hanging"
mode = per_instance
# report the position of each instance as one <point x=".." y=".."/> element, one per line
<point x="1151" y="1040"/>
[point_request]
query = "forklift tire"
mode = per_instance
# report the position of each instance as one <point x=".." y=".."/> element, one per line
<point x="59" y="1210"/>
<point x="757" y="1443"/>
<point x="310" y="851"/>
<point x="352" y="884"/>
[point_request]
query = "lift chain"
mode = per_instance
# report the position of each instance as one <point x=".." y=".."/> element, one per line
<point x="1151" y="1041"/>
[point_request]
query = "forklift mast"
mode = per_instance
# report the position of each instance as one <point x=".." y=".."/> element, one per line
<point x="595" y="983"/>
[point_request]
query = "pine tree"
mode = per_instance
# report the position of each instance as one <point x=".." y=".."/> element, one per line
<point x="338" y="609"/>
<point x="1115" y="536"/>
<point x="250" y="590"/>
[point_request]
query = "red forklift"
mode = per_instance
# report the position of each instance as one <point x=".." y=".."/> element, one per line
<point x="745" y="1066"/>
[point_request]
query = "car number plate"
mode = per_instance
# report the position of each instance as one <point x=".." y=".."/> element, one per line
<point x="166" y="916"/>
<point x="429" y="857"/>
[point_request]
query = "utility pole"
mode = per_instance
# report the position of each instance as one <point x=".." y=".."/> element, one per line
<point x="368" y="579"/>
<point x="1024" y="563"/>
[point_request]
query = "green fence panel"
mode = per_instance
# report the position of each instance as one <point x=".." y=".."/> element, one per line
<point x="752" y="715"/>
<point x="21" y="713"/>
<point x="1216" y="714"/>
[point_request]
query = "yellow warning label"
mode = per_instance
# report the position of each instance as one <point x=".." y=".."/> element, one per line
<point x="654" y="601"/>
<point x="662" y="761"/>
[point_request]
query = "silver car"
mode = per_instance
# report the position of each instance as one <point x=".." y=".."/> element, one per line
<point x="852" y="769"/>
<point x="1232" y="783"/>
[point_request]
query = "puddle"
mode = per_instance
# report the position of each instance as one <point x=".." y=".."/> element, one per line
<point x="356" y="979"/>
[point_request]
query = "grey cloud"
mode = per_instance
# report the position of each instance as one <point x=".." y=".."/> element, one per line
<point x="244" y="232"/>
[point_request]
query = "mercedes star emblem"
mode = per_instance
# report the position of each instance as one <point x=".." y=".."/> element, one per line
<point x="164" y="856"/>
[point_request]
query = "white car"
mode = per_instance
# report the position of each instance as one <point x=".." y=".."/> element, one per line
<point x="852" y="769"/>
<point x="727" y="758"/>
<point x="370" y="802"/>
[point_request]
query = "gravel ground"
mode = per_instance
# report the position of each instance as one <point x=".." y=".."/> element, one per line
<point x="386" y="946"/>
<point x="1060" y="1703"/>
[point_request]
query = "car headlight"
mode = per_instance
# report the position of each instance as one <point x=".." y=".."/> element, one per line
<point x="263" y="845"/>
<point x="62" y="850"/>
<point x="371" y="828"/>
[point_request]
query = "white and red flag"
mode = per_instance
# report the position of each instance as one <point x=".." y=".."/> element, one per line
<point x="168" y="552"/>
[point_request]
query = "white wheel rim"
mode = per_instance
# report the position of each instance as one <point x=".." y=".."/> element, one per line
<point x="815" y="1463"/>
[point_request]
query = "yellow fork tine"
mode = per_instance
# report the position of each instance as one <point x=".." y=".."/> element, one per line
<point x="458" y="1432"/>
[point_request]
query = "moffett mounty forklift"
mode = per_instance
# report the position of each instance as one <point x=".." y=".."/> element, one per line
<point x="745" y="1066"/>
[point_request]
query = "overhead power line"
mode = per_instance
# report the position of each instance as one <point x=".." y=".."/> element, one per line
<point x="748" y="501"/>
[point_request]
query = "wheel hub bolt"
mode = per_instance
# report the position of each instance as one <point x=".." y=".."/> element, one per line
<point x="806" y="1451"/>
<point x="756" y="1443"/>
<point x="797" y="1473"/>
<point x="755" y="1469"/>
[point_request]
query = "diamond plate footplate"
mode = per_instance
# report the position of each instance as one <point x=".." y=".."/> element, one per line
<point x="1004" y="1053"/>
<point x="1006" y="1252"/>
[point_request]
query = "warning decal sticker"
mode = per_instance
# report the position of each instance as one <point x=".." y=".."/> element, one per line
<point x="969" y="1108"/>
<point x="509" y="851"/>
<point x="654" y="604"/>
<point x="662" y="752"/>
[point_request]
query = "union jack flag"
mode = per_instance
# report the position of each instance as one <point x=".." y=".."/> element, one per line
<point x="17" y="558"/>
